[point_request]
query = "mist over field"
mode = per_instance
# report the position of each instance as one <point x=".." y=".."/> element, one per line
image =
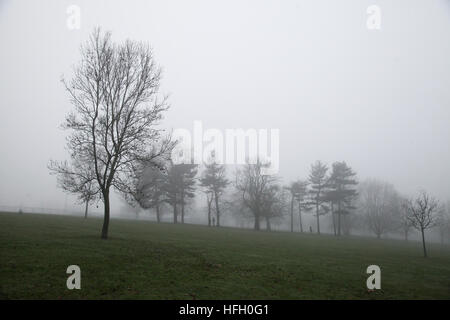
<point x="160" y="121"/>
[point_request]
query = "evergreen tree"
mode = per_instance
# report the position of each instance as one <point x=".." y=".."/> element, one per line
<point x="214" y="181"/>
<point x="342" y="190"/>
<point x="318" y="182"/>
<point x="179" y="187"/>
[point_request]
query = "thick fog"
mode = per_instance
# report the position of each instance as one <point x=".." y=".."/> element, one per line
<point x="336" y="90"/>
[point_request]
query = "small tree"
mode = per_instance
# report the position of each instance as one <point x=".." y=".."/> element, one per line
<point x="213" y="180"/>
<point x="318" y="182"/>
<point x="187" y="187"/>
<point x="298" y="191"/>
<point x="341" y="189"/>
<point x="78" y="179"/>
<point x="179" y="187"/>
<point x="422" y="215"/>
<point x="303" y="203"/>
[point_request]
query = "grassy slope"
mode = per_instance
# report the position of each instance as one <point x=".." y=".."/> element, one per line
<point x="144" y="260"/>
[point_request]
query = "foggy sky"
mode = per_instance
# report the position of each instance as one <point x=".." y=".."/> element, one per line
<point x="380" y="100"/>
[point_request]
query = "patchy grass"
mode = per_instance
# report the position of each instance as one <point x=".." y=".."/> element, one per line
<point x="145" y="260"/>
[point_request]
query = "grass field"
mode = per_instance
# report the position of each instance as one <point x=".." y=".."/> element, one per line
<point x="145" y="260"/>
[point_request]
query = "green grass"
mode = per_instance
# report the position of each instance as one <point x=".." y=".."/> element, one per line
<point x="145" y="260"/>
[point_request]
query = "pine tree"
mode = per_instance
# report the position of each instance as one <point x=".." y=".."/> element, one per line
<point x="214" y="181"/>
<point x="179" y="187"/>
<point x="342" y="190"/>
<point x="298" y="191"/>
<point x="318" y="182"/>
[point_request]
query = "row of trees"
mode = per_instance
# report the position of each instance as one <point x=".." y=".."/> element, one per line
<point x="175" y="186"/>
<point x="373" y="205"/>
<point x="115" y="143"/>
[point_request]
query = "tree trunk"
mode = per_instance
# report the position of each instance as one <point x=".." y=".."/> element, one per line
<point x="406" y="235"/>
<point x="334" y="218"/>
<point x="86" y="209"/>
<point x="182" y="211"/>
<point x="106" y="215"/>
<point x="268" y="227"/>
<point x="158" y="217"/>
<point x="317" y="216"/>
<point x="209" y="203"/>
<point x="209" y="217"/>
<point x="339" y="218"/>
<point x="257" y="222"/>
<point x="175" y="213"/>
<point x="182" y="207"/>
<point x="300" y="217"/>
<point x="292" y="214"/>
<point x="423" y="243"/>
<point x="216" y="199"/>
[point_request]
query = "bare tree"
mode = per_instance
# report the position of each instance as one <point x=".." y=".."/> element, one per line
<point x="114" y="92"/>
<point x="252" y="186"/>
<point x="380" y="204"/>
<point x="77" y="178"/>
<point x="422" y="214"/>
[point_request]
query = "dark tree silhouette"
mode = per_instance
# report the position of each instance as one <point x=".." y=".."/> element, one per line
<point x="422" y="212"/>
<point x="114" y="93"/>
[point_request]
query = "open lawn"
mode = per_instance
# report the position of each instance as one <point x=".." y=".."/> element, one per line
<point x="145" y="260"/>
